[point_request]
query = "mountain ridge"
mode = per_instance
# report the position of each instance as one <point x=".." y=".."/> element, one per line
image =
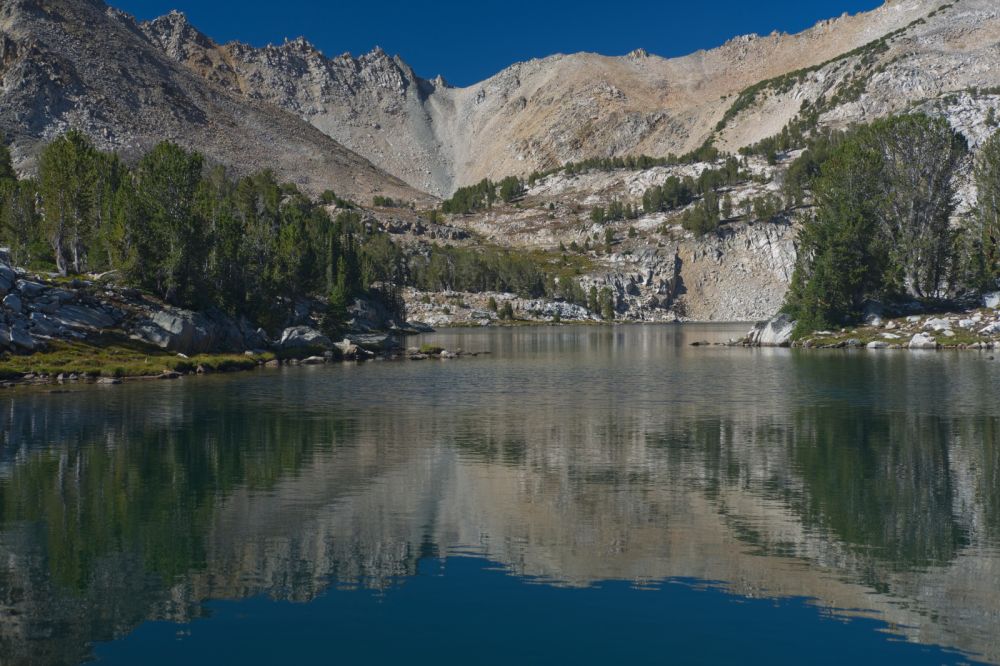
<point x="534" y="114"/>
<point x="79" y="63"/>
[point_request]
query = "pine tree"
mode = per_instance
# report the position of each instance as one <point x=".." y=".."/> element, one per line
<point x="171" y="238"/>
<point x="68" y="175"/>
<point x="607" y="304"/>
<point x="6" y="165"/>
<point x="336" y="314"/>
<point x="19" y="222"/>
<point x="987" y="218"/>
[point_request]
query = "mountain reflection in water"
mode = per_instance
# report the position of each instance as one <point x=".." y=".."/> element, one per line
<point x="570" y="457"/>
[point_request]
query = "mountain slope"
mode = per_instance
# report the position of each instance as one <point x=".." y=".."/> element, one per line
<point x="78" y="63"/>
<point x="532" y="115"/>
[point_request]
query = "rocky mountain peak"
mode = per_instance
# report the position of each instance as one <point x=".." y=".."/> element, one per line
<point x="175" y="34"/>
<point x="638" y="55"/>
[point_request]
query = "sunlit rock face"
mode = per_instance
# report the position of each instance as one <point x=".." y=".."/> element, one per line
<point x="542" y="113"/>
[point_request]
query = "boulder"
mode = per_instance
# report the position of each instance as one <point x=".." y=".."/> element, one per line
<point x="873" y="314"/>
<point x="19" y="337"/>
<point x="922" y="341"/>
<point x="190" y="332"/>
<point x="937" y="324"/>
<point x="349" y="351"/>
<point x="303" y="337"/>
<point x="43" y="325"/>
<point x="419" y="327"/>
<point x="61" y="295"/>
<point x="877" y="344"/>
<point x="30" y="289"/>
<point x="12" y="302"/>
<point x="991" y="300"/>
<point x="82" y="318"/>
<point x="314" y="360"/>
<point x="253" y="337"/>
<point x="374" y="341"/>
<point x="776" y="332"/>
<point x="7" y="278"/>
<point x="177" y="330"/>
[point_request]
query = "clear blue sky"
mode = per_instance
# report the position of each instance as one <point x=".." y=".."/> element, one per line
<point x="471" y="40"/>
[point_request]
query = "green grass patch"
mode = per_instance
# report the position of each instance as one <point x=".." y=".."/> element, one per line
<point x="431" y="350"/>
<point x="116" y="356"/>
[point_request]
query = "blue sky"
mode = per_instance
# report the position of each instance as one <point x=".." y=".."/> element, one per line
<point x="469" y="41"/>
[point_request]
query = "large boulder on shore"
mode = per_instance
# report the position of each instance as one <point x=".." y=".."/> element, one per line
<point x="178" y="330"/>
<point x="303" y="337"/>
<point x="190" y="332"/>
<point x="922" y="341"/>
<point x="776" y="332"/>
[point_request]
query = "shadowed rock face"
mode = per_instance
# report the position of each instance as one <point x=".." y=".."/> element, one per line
<point x="71" y="63"/>
<point x="542" y="113"/>
<point x="847" y="479"/>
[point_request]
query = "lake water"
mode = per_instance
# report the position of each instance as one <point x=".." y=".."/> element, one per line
<point x="580" y="495"/>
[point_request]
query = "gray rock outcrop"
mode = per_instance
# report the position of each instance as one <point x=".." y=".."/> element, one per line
<point x="922" y="341"/>
<point x="775" y="332"/>
<point x="303" y="337"/>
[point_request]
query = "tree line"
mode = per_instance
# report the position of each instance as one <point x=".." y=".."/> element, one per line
<point x="483" y="195"/>
<point x="883" y="228"/>
<point x="185" y="232"/>
<point x="195" y="237"/>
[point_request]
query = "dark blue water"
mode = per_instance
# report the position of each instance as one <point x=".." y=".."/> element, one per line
<point x="464" y="610"/>
<point x="587" y="495"/>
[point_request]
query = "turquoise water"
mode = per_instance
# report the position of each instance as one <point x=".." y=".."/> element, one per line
<point x="582" y="495"/>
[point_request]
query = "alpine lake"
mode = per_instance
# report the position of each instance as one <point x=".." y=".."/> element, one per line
<point x="581" y="494"/>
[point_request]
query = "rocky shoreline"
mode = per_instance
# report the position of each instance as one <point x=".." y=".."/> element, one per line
<point x="974" y="328"/>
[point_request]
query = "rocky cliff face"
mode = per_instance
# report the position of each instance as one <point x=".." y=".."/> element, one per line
<point x="944" y="60"/>
<point x="79" y="63"/>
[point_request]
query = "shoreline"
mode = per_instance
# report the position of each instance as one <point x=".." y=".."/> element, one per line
<point x="94" y="367"/>
<point x="975" y="329"/>
<point x="114" y="362"/>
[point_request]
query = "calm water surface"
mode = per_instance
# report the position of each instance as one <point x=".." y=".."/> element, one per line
<point x="587" y="495"/>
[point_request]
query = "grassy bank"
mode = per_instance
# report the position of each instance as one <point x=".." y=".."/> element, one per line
<point x="115" y="356"/>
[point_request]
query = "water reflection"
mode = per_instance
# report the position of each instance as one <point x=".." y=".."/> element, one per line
<point x="571" y="456"/>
